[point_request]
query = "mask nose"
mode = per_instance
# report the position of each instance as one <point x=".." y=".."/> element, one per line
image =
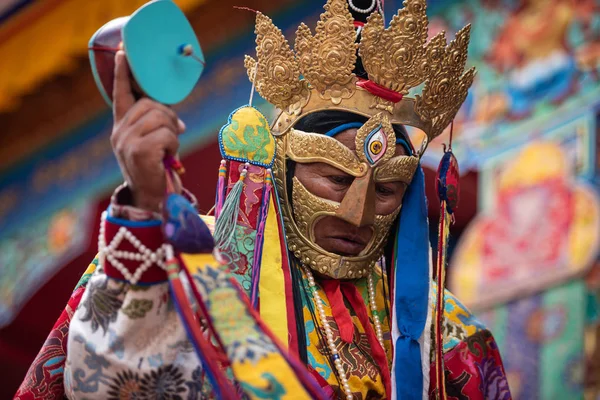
<point x="358" y="205"/>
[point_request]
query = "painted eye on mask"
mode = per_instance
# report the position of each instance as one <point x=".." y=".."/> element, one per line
<point x="375" y="145"/>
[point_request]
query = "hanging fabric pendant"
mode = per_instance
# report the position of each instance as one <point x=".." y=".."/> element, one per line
<point x="448" y="190"/>
<point x="182" y="227"/>
<point x="446" y="184"/>
<point x="226" y="223"/>
<point x="245" y="138"/>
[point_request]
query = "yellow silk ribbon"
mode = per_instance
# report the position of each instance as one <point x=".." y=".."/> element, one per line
<point x="271" y="286"/>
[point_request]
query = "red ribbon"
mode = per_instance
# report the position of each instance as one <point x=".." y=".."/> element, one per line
<point x="379" y="91"/>
<point x="342" y="317"/>
<point x="333" y="290"/>
<point x="358" y="303"/>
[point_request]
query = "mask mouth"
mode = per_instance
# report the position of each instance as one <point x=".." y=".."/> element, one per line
<point x="342" y="238"/>
<point x="346" y="245"/>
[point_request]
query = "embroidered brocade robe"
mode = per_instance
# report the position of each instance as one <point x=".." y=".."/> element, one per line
<point x="129" y="342"/>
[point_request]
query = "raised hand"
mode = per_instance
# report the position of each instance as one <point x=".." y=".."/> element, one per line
<point x="144" y="132"/>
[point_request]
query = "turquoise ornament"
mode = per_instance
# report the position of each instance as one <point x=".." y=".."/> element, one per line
<point x="163" y="52"/>
<point x="154" y="39"/>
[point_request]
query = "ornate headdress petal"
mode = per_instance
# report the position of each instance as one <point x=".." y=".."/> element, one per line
<point x="278" y="76"/>
<point x="394" y="57"/>
<point x="327" y="59"/>
<point x="447" y="89"/>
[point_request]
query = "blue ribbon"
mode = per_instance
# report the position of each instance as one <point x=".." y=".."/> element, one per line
<point x="411" y="289"/>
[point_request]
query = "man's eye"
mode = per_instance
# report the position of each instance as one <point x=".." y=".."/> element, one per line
<point x="341" y="179"/>
<point x="384" y="190"/>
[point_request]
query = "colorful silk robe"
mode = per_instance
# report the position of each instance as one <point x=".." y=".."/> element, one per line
<point x="472" y="361"/>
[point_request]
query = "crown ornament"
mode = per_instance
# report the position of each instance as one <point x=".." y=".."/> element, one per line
<point x="317" y="75"/>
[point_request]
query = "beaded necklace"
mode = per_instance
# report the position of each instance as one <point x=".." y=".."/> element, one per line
<point x="329" y="333"/>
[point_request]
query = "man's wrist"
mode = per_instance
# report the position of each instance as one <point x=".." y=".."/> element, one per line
<point x="150" y="204"/>
<point x="122" y="205"/>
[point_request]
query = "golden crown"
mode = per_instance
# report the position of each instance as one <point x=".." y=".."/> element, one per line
<point x="318" y="75"/>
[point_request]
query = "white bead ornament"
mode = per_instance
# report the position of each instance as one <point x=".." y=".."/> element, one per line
<point x="329" y="333"/>
<point x="144" y="255"/>
<point x="373" y="305"/>
<point x="362" y="10"/>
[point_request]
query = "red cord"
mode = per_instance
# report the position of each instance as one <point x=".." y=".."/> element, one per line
<point x="246" y="8"/>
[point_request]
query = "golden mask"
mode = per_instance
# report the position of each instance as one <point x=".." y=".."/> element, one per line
<point x="373" y="162"/>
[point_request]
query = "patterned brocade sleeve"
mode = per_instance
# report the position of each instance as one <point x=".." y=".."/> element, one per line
<point x="474" y="370"/>
<point x="44" y="379"/>
<point x="128" y="341"/>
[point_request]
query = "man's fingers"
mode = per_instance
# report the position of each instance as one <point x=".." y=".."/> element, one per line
<point x="123" y="98"/>
<point x="163" y="138"/>
<point x="145" y="105"/>
<point x="151" y="121"/>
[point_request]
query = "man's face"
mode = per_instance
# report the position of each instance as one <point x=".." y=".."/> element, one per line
<point x="334" y="234"/>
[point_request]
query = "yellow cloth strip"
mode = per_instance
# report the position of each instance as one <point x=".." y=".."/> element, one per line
<point x="32" y="51"/>
<point x="269" y="374"/>
<point x="195" y="262"/>
<point x="271" y="287"/>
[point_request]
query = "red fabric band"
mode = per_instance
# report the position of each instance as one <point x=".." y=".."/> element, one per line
<point x="151" y="237"/>
<point x="334" y="289"/>
<point x="378" y="352"/>
<point x="340" y="312"/>
<point x="379" y="91"/>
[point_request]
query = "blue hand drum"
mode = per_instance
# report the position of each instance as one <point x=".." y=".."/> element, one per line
<point x="164" y="55"/>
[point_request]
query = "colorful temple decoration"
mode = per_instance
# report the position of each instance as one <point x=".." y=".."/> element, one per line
<point x="521" y="265"/>
<point x="537" y="67"/>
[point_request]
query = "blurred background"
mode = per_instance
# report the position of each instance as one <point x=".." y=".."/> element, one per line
<point x="525" y="240"/>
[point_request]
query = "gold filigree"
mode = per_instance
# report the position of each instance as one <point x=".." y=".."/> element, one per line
<point x="398" y="58"/>
<point x="382" y="104"/>
<point x="400" y="168"/>
<point x="312" y="147"/>
<point x="303" y="248"/>
<point x="446" y="90"/>
<point x="278" y="76"/>
<point x="307" y="210"/>
<point x="306" y="205"/>
<point x="394" y="57"/>
<point x="327" y="59"/>
<point x="380" y="120"/>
